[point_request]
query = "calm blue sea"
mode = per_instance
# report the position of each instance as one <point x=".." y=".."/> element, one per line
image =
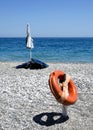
<point x="48" y="49"/>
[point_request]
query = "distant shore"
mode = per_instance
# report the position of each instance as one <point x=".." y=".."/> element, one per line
<point x="26" y="101"/>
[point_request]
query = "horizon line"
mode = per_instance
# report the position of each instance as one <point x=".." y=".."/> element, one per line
<point x="47" y="37"/>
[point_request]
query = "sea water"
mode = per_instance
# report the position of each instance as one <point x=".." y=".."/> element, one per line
<point x="48" y="49"/>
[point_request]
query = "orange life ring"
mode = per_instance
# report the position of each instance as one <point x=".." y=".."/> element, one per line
<point x="57" y="90"/>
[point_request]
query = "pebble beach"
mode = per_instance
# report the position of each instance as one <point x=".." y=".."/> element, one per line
<point x="26" y="102"/>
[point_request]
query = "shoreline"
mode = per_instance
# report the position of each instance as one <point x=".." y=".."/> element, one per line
<point x="48" y="62"/>
<point x="27" y="103"/>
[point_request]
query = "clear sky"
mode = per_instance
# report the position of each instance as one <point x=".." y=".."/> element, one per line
<point x="51" y="18"/>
